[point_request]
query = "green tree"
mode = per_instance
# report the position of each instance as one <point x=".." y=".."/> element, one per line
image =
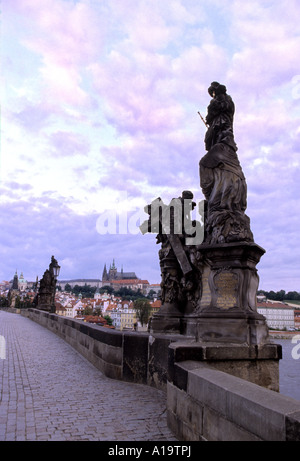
<point x="87" y="291"/>
<point x="68" y="288"/>
<point x="129" y="294"/>
<point x="108" y="319"/>
<point x="98" y="311"/>
<point x="280" y="295"/>
<point x="18" y="302"/>
<point x="106" y="289"/>
<point x="88" y="310"/>
<point x="3" y="301"/>
<point x="25" y="303"/>
<point x="292" y="295"/>
<point x="271" y="295"/>
<point x="143" y="309"/>
<point x="151" y="294"/>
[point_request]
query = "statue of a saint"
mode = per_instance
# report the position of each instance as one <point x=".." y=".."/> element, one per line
<point x="221" y="176"/>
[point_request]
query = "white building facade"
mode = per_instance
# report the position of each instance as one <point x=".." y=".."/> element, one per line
<point x="278" y="315"/>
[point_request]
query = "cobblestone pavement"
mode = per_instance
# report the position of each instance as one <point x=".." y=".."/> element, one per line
<point x="50" y="392"/>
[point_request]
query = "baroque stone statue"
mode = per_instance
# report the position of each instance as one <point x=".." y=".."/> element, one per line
<point x="45" y="298"/>
<point x="175" y="232"/>
<point x="209" y="285"/>
<point x="209" y="279"/>
<point x="221" y="177"/>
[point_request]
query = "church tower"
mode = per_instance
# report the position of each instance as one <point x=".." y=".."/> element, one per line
<point x="113" y="272"/>
<point x="105" y="274"/>
<point x="15" y="284"/>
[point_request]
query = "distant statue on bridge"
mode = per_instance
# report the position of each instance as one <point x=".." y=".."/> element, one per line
<point x="45" y="298"/>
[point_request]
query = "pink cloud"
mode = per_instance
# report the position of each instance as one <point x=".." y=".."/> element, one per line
<point x="135" y="99"/>
<point x="140" y="69"/>
<point x="268" y="44"/>
<point x="67" y="37"/>
<point x="62" y="32"/>
<point x="68" y="143"/>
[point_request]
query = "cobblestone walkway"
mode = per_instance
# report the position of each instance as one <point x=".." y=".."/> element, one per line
<point x="50" y="392"/>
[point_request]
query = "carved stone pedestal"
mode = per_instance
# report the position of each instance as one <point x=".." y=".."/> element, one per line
<point x="45" y="299"/>
<point x="225" y="329"/>
<point x="226" y="308"/>
<point x="45" y="307"/>
<point x="167" y="323"/>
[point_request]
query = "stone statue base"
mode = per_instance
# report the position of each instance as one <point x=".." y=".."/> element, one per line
<point x="230" y="328"/>
<point x="226" y="310"/>
<point x="45" y="307"/>
<point x="167" y="323"/>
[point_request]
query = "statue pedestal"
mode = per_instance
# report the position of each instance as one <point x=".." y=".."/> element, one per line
<point x="217" y="318"/>
<point x="226" y="309"/>
<point x="45" y="301"/>
<point x="224" y="329"/>
<point x="167" y="323"/>
<point x="44" y="307"/>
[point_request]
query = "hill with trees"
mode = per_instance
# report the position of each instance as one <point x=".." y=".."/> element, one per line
<point x="281" y="295"/>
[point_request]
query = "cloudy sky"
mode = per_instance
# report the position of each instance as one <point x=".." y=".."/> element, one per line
<point x="99" y="115"/>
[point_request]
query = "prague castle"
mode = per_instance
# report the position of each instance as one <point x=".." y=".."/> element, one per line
<point x="113" y="274"/>
<point x="108" y="276"/>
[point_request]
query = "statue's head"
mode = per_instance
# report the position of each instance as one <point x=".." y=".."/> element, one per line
<point x="216" y="88"/>
<point x="187" y="194"/>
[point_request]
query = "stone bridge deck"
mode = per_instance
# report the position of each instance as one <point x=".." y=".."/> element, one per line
<point x="48" y="392"/>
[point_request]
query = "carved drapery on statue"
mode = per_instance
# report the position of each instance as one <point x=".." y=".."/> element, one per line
<point x="221" y="177"/>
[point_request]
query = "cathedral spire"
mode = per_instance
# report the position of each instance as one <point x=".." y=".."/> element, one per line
<point x="104" y="274"/>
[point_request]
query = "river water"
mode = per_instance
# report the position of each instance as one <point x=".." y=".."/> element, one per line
<point x="289" y="367"/>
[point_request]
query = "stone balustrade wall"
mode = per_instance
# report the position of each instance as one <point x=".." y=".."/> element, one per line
<point x="203" y="402"/>
<point x="123" y="355"/>
<point x="210" y="405"/>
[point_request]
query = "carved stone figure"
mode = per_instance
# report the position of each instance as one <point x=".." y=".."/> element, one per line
<point x="45" y="297"/>
<point x="180" y="277"/>
<point x="14" y="291"/>
<point x="221" y="177"/>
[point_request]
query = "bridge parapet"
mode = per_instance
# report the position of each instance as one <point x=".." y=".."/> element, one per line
<point x="129" y="356"/>
<point x="210" y="405"/>
<point x="205" y="401"/>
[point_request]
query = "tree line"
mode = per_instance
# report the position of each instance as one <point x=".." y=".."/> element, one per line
<point x="280" y="295"/>
<point x="87" y="291"/>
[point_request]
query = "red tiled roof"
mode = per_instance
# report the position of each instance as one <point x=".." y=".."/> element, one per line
<point x="94" y="319"/>
<point x="130" y="282"/>
<point x="156" y="303"/>
<point x="270" y="305"/>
